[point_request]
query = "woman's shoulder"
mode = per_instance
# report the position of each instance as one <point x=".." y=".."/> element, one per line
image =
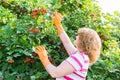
<point x="82" y="55"/>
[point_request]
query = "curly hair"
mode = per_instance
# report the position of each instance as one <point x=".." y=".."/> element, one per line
<point x="90" y="43"/>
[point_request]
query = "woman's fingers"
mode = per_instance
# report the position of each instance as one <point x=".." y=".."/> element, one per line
<point x="40" y="48"/>
<point x="58" y="15"/>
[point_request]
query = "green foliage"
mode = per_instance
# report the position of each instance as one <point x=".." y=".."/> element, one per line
<point x="108" y="66"/>
<point x="25" y="24"/>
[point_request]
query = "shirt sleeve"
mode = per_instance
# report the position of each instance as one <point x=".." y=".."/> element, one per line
<point x="76" y="61"/>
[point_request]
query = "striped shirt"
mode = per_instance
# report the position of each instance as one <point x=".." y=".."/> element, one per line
<point x="80" y="63"/>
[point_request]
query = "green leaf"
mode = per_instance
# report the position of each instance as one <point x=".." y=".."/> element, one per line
<point x="1" y="75"/>
<point x="16" y="54"/>
<point x="4" y="67"/>
<point x="9" y="58"/>
<point x="37" y="75"/>
<point x="32" y="77"/>
<point x="8" y="30"/>
<point x="1" y="54"/>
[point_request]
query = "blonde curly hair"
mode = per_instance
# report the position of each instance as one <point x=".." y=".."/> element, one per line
<point x="90" y="43"/>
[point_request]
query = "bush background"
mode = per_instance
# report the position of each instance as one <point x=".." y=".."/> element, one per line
<point x="25" y="24"/>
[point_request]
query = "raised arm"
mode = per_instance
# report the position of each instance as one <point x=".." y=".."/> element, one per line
<point x="62" y="34"/>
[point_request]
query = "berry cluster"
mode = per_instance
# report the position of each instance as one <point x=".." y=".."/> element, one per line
<point x="35" y="13"/>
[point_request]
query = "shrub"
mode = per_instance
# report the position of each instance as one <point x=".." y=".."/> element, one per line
<point x="26" y="24"/>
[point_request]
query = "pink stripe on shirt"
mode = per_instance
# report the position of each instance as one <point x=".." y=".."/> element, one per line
<point x="78" y="75"/>
<point x="82" y="54"/>
<point x="67" y="78"/>
<point x="77" y="61"/>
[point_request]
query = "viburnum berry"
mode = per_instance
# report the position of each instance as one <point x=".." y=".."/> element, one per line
<point x="35" y="31"/>
<point x="33" y="60"/>
<point x="34" y="54"/>
<point x="27" y="60"/>
<point x="11" y="61"/>
<point x="33" y="15"/>
<point x="35" y="11"/>
<point x="43" y="11"/>
<point x="51" y="60"/>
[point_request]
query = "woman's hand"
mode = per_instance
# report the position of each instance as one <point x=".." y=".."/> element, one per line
<point x="57" y="21"/>
<point x="41" y="51"/>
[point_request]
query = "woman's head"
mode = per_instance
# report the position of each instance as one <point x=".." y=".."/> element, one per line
<point x="88" y="41"/>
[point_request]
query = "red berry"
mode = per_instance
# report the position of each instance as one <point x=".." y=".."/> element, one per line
<point x="35" y="11"/>
<point x="35" y="31"/>
<point x="32" y="60"/>
<point x="34" y="54"/>
<point x="51" y="60"/>
<point x="33" y="15"/>
<point x="27" y="60"/>
<point x="43" y="11"/>
<point x="11" y="61"/>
